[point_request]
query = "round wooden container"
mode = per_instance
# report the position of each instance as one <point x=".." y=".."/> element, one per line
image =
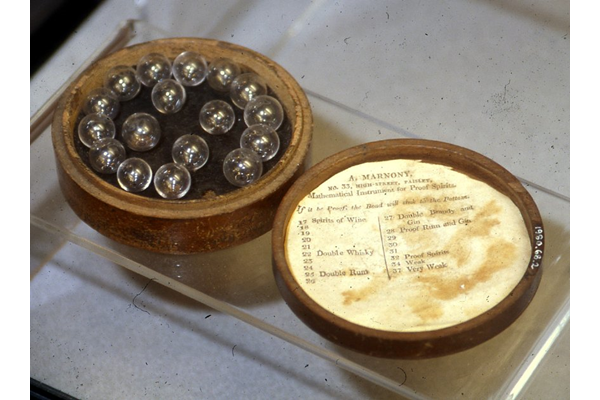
<point x="189" y="225"/>
<point x="334" y="247"/>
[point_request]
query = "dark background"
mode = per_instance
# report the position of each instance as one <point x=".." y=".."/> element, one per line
<point x="51" y="23"/>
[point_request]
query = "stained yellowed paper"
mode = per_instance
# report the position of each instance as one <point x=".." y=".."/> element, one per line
<point x="407" y="246"/>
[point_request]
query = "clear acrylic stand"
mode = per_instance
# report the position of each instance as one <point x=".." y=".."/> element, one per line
<point x="239" y="282"/>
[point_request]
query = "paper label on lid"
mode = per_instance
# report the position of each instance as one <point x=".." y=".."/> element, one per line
<point x="406" y="246"/>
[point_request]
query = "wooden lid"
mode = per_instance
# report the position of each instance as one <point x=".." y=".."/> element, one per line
<point x="189" y="225"/>
<point x="407" y="248"/>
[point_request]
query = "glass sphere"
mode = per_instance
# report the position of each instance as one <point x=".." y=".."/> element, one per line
<point x="190" y="151"/>
<point x="241" y="167"/>
<point x="106" y="155"/>
<point x="245" y="87"/>
<point x="265" y="110"/>
<point x="122" y="82"/>
<point x="190" y="68"/>
<point x="102" y="101"/>
<point x="262" y="139"/>
<point x="134" y="175"/>
<point x="141" y="132"/>
<point x="153" y="68"/>
<point x="217" y="117"/>
<point x="221" y="72"/>
<point x="168" y="96"/>
<point x="94" y="127"/>
<point x="172" y="181"/>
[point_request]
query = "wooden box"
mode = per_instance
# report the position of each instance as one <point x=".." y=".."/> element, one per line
<point x="204" y="222"/>
<point x="407" y="248"/>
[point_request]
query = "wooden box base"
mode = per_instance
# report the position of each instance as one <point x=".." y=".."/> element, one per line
<point x="190" y="225"/>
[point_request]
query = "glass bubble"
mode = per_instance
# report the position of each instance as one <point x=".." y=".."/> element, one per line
<point x="263" y="140"/>
<point x="122" y="82"/>
<point x="190" y="68"/>
<point x="241" y="167"/>
<point x="141" y="132"/>
<point x="102" y="101"/>
<point x="106" y="155"/>
<point x="265" y="110"/>
<point x="221" y="72"/>
<point x="217" y="117"/>
<point x="94" y="127"/>
<point x="153" y="68"/>
<point x="245" y="87"/>
<point x="168" y="96"/>
<point x="172" y="181"/>
<point x="190" y="151"/>
<point x="134" y="175"/>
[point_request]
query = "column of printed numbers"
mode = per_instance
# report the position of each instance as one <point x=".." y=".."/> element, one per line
<point x="307" y="260"/>
<point x="390" y="236"/>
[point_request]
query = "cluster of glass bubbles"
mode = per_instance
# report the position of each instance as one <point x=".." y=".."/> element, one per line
<point x="141" y="132"/>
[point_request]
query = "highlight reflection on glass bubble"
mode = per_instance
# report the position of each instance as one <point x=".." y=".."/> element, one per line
<point x="190" y="68"/>
<point x="217" y="117"/>
<point x="263" y="140"/>
<point x="172" y="181"/>
<point x="141" y="132"/>
<point x="94" y="127"/>
<point x="121" y="80"/>
<point x="134" y="175"/>
<point x="106" y="155"/>
<point x="242" y="167"/>
<point x="102" y="101"/>
<point x="153" y="68"/>
<point x="245" y="87"/>
<point x="168" y="96"/>
<point x="190" y="151"/>
<point x="265" y="110"/>
<point x="221" y="72"/>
